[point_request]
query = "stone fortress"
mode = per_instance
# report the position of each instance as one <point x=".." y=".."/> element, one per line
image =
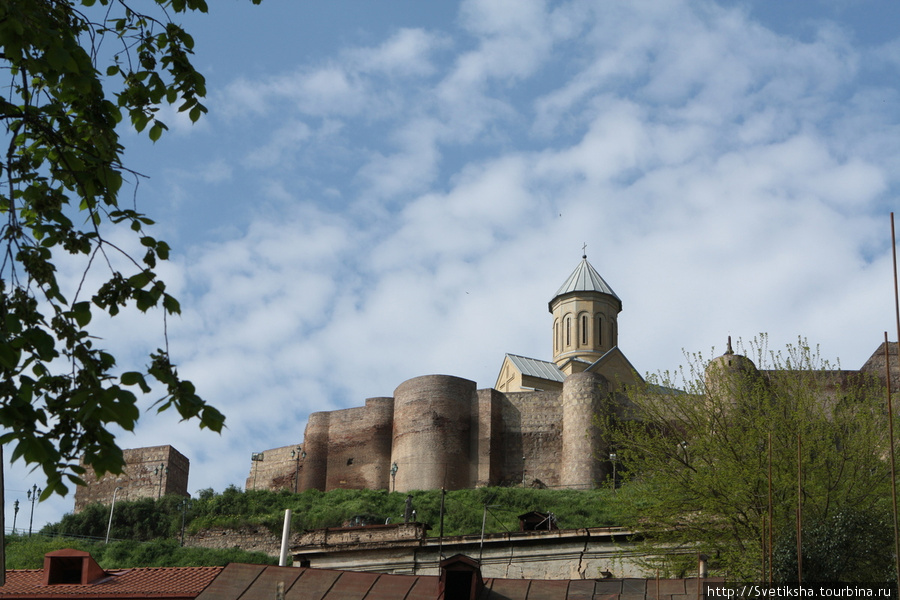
<point x="532" y="428"/>
<point x="439" y="431"/>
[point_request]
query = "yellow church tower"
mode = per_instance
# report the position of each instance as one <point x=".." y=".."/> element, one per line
<point x="585" y="319"/>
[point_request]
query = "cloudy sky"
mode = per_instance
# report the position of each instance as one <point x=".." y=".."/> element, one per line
<point x="386" y="189"/>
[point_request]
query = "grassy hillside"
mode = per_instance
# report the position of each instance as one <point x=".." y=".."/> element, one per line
<point x="464" y="509"/>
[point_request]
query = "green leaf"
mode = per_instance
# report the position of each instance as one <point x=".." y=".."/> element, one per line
<point x="156" y="130"/>
<point x="81" y="311"/>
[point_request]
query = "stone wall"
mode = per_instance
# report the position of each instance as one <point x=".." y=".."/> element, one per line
<point x="532" y="424"/>
<point x="439" y="431"/>
<point x="276" y="469"/>
<point x="149" y="473"/>
<point x="251" y="539"/>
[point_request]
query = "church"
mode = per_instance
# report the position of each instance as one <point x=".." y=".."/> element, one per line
<point x="532" y="428"/>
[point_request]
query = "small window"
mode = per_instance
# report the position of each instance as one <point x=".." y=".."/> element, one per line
<point x="568" y="331"/>
<point x="584" y="330"/>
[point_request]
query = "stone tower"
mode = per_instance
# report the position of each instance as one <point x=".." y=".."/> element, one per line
<point x="585" y="313"/>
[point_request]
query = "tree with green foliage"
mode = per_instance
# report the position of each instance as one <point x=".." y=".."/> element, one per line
<point x="75" y="70"/>
<point x="696" y="450"/>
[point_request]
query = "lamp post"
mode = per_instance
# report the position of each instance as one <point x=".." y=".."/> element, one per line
<point x="32" y="495"/>
<point x="297" y="455"/>
<point x="112" y="507"/>
<point x="613" y="457"/>
<point x="185" y="505"/>
<point x="15" y="515"/>
<point x="255" y="458"/>
<point x="394" y="469"/>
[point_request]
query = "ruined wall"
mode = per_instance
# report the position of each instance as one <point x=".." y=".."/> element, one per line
<point x="532" y="427"/>
<point x="276" y="469"/>
<point x="149" y="473"/>
<point x="251" y="539"/>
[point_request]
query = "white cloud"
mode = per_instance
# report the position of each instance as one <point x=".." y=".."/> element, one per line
<point x="428" y="192"/>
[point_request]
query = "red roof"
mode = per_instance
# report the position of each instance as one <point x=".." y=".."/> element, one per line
<point x="171" y="583"/>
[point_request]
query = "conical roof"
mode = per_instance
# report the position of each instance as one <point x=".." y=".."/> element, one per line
<point x="585" y="279"/>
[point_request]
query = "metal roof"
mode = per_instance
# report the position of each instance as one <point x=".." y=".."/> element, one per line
<point x="258" y="582"/>
<point x="585" y="279"/>
<point x="537" y="368"/>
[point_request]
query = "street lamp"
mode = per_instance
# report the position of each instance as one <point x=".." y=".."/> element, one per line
<point x="185" y="505"/>
<point x="32" y="495"/>
<point x="15" y="515"/>
<point x="297" y="455"/>
<point x="112" y="507"/>
<point x="394" y="469"/>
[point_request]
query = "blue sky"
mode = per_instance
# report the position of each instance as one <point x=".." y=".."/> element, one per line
<point x="390" y="189"/>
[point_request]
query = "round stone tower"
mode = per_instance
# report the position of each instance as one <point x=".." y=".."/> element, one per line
<point x="582" y="398"/>
<point x="585" y="319"/>
<point x="432" y="416"/>
<point x="731" y="377"/>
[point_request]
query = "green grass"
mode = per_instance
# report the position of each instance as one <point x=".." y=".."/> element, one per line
<point x="148" y="519"/>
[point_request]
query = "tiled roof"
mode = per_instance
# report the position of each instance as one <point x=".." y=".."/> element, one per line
<point x="144" y="582"/>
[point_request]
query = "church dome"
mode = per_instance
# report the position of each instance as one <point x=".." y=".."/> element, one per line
<point x="585" y="278"/>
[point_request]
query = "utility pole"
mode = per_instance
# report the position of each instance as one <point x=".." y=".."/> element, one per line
<point x="112" y="507"/>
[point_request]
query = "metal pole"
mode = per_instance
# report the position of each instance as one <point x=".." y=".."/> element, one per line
<point x="771" y="521"/>
<point x="112" y="507"/>
<point x="890" y="404"/>
<point x="799" y="513"/>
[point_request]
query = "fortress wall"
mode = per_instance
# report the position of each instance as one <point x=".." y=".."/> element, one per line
<point x="149" y="473"/>
<point x="277" y="470"/>
<point x="359" y="446"/>
<point x="315" y="444"/>
<point x="486" y="442"/>
<point x="581" y="400"/>
<point x="532" y="423"/>
<point x="431" y="438"/>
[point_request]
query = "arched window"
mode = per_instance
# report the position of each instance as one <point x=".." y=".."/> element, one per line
<point x="599" y="319"/>
<point x="556" y="341"/>
<point x="568" y="331"/>
<point x="584" y="330"/>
